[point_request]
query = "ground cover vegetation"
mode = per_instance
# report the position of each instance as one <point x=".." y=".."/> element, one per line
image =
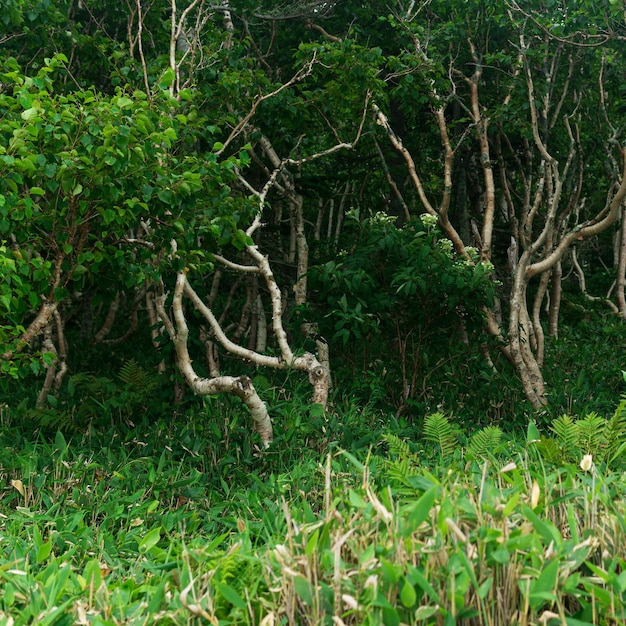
<point x="312" y="312"/>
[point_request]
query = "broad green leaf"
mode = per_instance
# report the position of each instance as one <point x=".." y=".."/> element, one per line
<point x="60" y="442"/>
<point x="546" y="529"/>
<point x="109" y="215"/>
<point x="123" y="102"/>
<point x="44" y="551"/>
<point x="419" y="579"/>
<point x="167" y="78"/>
<point x="408" y="595"/>
<point x="231" y="595"/>
<point x="303" y="589"/>
<point x="542" y="589"/>
<point x="424" y="612"/>
<point x="356" y="500"/>
<point x="421" y="509"/>
<point x="532" y="433"/>
<point x="311" y="544"/>
<point x="92" y="574"/>
<point x="150" y="540"/>
<point x="31" y="113"/>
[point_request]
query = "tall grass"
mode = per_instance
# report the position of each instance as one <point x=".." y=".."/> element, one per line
<point x="162" y="523"/>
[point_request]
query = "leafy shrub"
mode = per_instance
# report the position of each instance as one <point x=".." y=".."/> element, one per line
<point x="399" y="305"/>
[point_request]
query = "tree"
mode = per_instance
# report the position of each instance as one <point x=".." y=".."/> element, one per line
<point x="126" y="193"/>
<point x="517" y="103"/>
<point x="202" y="156"/>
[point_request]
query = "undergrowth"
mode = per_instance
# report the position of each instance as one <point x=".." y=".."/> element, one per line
<point x="187" y="519"/>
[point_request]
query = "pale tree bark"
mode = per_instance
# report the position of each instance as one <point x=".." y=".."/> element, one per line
<point x="544" y="250"/>
<point x="544" y="224"/>
<point x="620" y="279"/>
<point x="155" y="331"/>
<point x="109" y="320"/>
<point x="46" y="311"/>
<point x="582" y="283"/>
<point x="240" y="386"/>
<point x="555" y="301"/>
<point x="49" y="347"/>
<point x="57" y="368"/>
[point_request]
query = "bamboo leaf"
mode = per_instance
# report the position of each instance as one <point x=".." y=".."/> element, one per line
<point x="150" y="540"/>
<point x="231" y="595"/>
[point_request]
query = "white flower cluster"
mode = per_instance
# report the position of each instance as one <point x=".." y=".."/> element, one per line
<point x="380" y="217"/>
<point x="445" y="245"/>
<point x="472" y="252"/>
<point x="428" y="220"/>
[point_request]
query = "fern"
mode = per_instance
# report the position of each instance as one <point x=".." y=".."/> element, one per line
<point x="615" y="430"/>
<point x="484" y="442"/>
<point x="439" y="430"/>
<point x="567" y="433"/>
<point x="550" y="450"/>
<point x="53" y="420"/>
<point x="399" y="448"/>
<point x="136" y="378"/>
<point x="399" y="467"/>
<point x="591" y="439"/>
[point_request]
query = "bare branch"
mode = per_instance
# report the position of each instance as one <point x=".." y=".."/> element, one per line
<point x="252" y="269"/>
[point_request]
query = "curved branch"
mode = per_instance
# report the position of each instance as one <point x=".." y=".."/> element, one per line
<point x="584" y="231"/>
<point x="241" y="386"/>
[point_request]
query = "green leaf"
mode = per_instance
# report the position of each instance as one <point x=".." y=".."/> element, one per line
<point x="421" y="509"/>
<point x="419" y="579"/>
<point x="316" y="410"/>
<point x="532" y="433"/>
<point x="408" y="595"/>
<point x="424" y="612"/>
<point x="542" y="589"/>
<point x="109" y="215"/>
<point x="167" y="79"/>
<point x="303" y="589"/>
<point x="150" y="540"/>
<point x="59" y="442"/>
<point x="44" y="551"/>
<point x="356" y="500"/>
<point x="231" y="595"/>
<point x="123" y="102"/>
<point x="545" y="528"/>
<point x="29" y="114"/>
<point x="311" y="544"/>
<point x="92" y="574"/>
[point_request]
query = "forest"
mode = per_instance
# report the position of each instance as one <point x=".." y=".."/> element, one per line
<point x="312" y="312"/>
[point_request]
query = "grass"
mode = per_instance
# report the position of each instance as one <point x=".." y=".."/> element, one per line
<point x="351" y="518"/>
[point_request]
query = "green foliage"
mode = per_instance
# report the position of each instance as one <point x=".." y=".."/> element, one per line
<point x="383" y="308"/>
<point x="603" y="439"/>
<point x="485" y="443"/>
<point x="439" y="430"/>
<point x="165" y="523"/>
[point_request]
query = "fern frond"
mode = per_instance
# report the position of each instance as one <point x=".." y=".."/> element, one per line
<point x="133" y="375"/>
<point x="550" y="450"/>
<point x="566" y="431"/>
<point x="485" y="442"/>
<point x="400" y="471"/>
<point x="53" y="419"/>
<point x="398" y="448"/>
<point x="615" y="430"/>
<point x="439" y="430"/>
<point x="591" y="438"/>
